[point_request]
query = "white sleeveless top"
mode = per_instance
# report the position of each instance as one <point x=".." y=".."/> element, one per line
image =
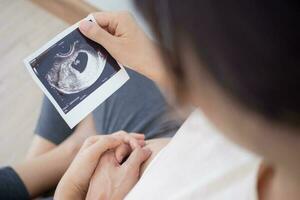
<point x="199" y="163"/>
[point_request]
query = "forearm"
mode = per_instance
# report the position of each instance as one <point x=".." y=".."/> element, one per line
<point x="44" y="172"/>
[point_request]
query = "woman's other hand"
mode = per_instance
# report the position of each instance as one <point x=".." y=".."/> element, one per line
<point x="112" y="180"/>
<point x="75" y="182"/>
<point x="120" y="35"/>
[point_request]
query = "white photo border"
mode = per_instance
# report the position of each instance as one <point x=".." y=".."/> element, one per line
<point x="93" y="100"/>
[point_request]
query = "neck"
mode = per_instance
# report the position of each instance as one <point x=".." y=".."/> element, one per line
<point x="278" y="184"/>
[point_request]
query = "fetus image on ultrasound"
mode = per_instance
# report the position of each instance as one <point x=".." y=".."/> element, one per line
<point x="76" y="67"/>
<point x="73" y="68"/>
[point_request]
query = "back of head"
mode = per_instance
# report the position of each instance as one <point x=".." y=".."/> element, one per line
<point x="251" y="48"/>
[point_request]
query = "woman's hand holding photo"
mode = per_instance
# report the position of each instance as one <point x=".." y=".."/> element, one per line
<point x="121" y="36"/>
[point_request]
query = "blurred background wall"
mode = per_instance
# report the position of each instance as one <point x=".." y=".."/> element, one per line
<point x="24" y="27"/>
<point x="121" y="5"/>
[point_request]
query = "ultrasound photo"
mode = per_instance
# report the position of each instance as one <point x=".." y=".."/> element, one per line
<point x="75" y="73"/>
<point x="73" y="68"/>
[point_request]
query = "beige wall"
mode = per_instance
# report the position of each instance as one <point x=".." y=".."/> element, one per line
<point x="23" y="29"/>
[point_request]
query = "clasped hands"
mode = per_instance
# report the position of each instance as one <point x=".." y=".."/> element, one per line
<point x="105" y="168"/>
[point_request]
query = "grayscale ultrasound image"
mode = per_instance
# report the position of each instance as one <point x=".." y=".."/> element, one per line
<point x="73" y="68"/>
<point x="77" y="69"/>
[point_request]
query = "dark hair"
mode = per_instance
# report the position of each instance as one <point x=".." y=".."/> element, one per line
<point x="250" y="47"/>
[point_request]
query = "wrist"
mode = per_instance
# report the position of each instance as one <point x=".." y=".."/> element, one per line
<point x="66" y="152"/>
<point x="71" y="146"/>
<point x="67" y="190"/>
<point x="65" y="195"/>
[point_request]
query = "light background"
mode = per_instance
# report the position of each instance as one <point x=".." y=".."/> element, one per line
<point x="24" y="27"/>
<point x="119" y="5"/>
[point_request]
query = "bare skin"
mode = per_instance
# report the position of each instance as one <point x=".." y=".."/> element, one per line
<point x="104" y="152"/>
<point x="47" y="160"/>
<point x="50" y="166"/>
<point x="40" y="145"/>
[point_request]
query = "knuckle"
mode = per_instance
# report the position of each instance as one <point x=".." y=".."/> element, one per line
<point x="93" y="31"/>
<point x="108" y="139"/>
<point x="105" y="158"/>
<point x="137" y="154"/>
<point x="104" y="162"/>
<point x="120" y="133"/>
<point x="132" y="172"/>
<point x="123" y="132"/>
<point x="90" y="139"/>
<point x="108" y="158"/>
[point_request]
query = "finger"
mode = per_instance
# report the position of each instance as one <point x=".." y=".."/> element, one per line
<point x="107" y="20"/>
<point x="136" y="158"/>
<point x="142" y="143"/>
<point x="134" y="143"/>
<point x="105" y="166"/>
<point x="94" y="32"/>
<point x="95" y="151"/>
<point x="140" y="138"/>
<point x="122" y="152"/>
<point x="108" y="158"/>
<point x="88" y="158"/>
<point x="89" y="141"/>
<point x="127" y="139"/>
<point x="104" y="143"/>
<point x="138" y="135"/>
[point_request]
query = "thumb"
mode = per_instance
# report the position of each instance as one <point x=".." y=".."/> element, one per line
<point x="136" y="158"/>
<point x="96" y="33"/>
<point x="122" y="152"/>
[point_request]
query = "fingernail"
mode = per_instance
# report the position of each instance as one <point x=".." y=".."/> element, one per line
<point x="85" y="25"/>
